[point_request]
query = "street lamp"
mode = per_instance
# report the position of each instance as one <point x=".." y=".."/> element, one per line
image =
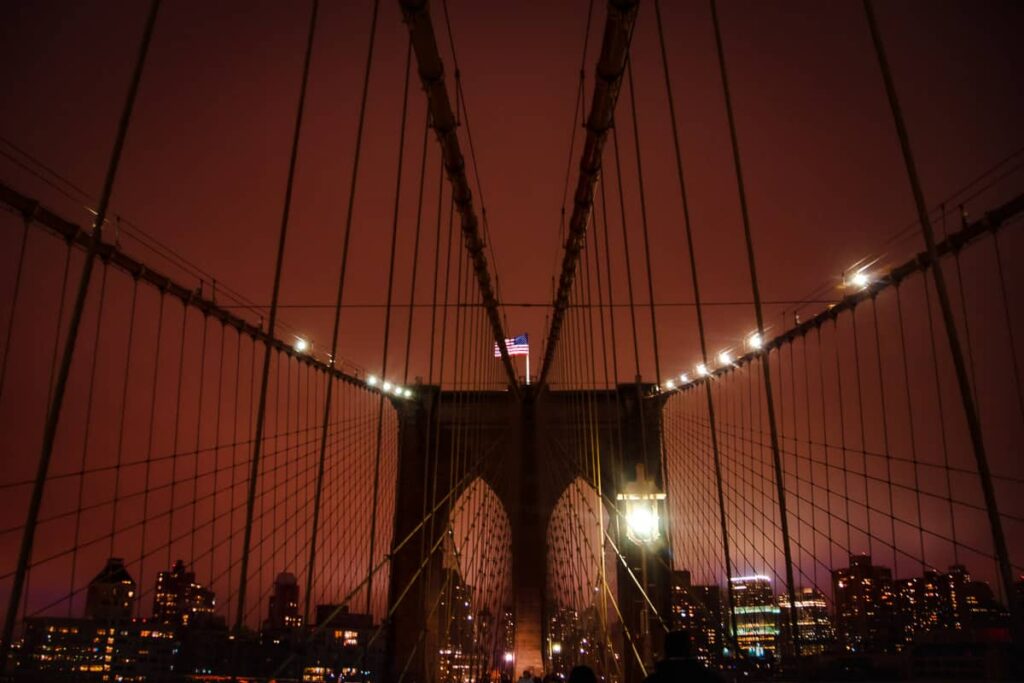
<point x="859" y="280"/>
<point x="641" y="502"/>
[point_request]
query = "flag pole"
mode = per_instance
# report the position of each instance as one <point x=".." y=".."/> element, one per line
<point x="527" y="367"/>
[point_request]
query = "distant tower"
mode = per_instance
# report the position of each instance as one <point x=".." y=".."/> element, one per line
<point x="284" y="603"/>
<point x="814" y="624"/>
<point x="698" y="609"/>
<point x="865" y="602"/>
<point x="179" y="599"/>
<point x="757" y="615"/>
<point x="111" y="594"/>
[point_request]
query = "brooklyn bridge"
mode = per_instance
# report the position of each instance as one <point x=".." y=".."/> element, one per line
<point x="460" y="342"/>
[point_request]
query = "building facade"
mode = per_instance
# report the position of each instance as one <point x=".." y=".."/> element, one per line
<point x="283" y="611"/>
<point x="179" y="599"/>
<point x="813" y="622"/>
<point x="757" y="616"/>
<point x="867" y="618"/>
<point x="698" y="609"/>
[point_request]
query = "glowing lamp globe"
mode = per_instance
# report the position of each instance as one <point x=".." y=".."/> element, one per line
<point x="641" y="502"/>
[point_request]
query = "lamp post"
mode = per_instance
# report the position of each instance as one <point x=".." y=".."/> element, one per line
<point x="642" y="502"/>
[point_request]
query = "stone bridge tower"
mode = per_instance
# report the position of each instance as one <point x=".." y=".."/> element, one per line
<point x="627" y="425"/>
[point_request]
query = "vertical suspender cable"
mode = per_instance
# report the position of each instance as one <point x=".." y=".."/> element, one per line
<point x="632" y="303"/>
<point x="217" y="448"/>
<point x="643" y="219"/>
<point x="121" y="420"/>
<point x="262" y="407"/>
<point x="89" y="402"/>
<point x="329" y="391"/>
<point x="966" y="395"/>
<point x="700" y="321"/>
<point x="755" y="290"/>
<point x="150" y="430"/>
<point x="650" y="287"/>
<point x="53" y="412"/>
<point x="416" y="248"/>
<point x="387" y="326"/>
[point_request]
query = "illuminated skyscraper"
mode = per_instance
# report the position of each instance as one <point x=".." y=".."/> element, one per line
<point x="972" y="603"/>
<point x="179" y="599"/>
<point x="950" y="601"/>
<point x="813" y="622"/>
<point x="865" y="602"/>
<point x="757" y="615"/>
<point x="698" y="609"/>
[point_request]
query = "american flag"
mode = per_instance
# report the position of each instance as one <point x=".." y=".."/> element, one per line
<point x="517" y="346"/>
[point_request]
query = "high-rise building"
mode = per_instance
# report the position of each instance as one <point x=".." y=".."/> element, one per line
<point x="950" y="601"/>
<point x="865" y="604"/>
<point x="179" y="599"/>
<point x="972" y="603"/>
<point x="757" y="615"/>
<point x="455" y="627"/>
<point x="698" y="609"/>
<point x="111" y="595"/>
<point x="920" y="605"/>
<point x="283" y="612"/>
<point x="813" y="622"/>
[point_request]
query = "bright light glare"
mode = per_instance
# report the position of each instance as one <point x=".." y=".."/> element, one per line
<point x="669" y="384"/>
<point x="301" y="345"/>
<point x="755" y="341"/>
<point x="724" y="358"/>
<point x="702" y="370"/>
<point x="397" y="390"/>
<point x="859" y="279"/>
<point x="372" y="380"/>
<point x="642" y="522"/>
<point x="556" y="648"/>
<point x="509" y="657"/>
<point x="386" y="386"/>
<point x="407" y="393"/>
<point x="684" y="378"/>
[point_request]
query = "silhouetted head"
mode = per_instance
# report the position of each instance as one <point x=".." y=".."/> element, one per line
<point x="582" y="674"/>
<point x="677" y="645"/>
